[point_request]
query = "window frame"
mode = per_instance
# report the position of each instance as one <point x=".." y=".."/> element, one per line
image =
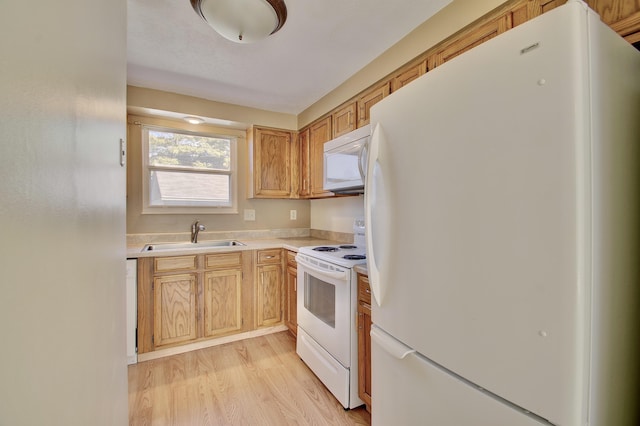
<point x="147" y="208"/>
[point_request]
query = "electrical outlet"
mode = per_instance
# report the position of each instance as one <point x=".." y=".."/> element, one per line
<point x="249" y="214"/>
<point x="293" y="214"/>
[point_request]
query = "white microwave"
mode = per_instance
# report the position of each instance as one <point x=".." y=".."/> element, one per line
<point x="345" y="160"/>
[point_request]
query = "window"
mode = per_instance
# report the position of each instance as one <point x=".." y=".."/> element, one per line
<point x="188" y="172"/>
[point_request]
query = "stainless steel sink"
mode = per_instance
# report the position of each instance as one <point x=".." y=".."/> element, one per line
<point x="191" y="246"/>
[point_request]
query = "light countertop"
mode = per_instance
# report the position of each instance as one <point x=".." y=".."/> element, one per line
<point x="289" y="243"/>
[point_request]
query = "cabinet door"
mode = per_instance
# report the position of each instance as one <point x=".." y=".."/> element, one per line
<point x="303" y="148"/>
<point x="547" y="5"/>
<point x="344" y="120"/>
<point x="271" y="163"/>
<point x="524" y="11"/>
<point x="472" y="39"/>
<point x="292" y="298"/>
<point x="319" y="133"/>
<point x="369" y="99"/>
<point x="222" y="301"/>
<point x="621" y="15"/>
<point x="364" y="354"/>
<point x="269" y="295"/>
<point x="407" y="75"/>
<point x="174" y="309"/>
<point x="364" y="340"/>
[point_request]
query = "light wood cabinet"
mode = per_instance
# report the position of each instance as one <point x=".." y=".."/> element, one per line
<point x="273" y="163"/>
<point x="621" y="15"/>
<point x="407" y="74"/>
<point x="471" y="39"/>
<point x="269" y="283"/>
<point x="291" y="278"/>
<point x="364" y="340"/>
<point x="184" y="299"/>
<point x="222" y="294"/>
<point x="344" y="119"/>
<point x="369" y="99"/>
<point x="305" y="163"/>
<point x="174" y="309"/>
<point x="319" y="133"/>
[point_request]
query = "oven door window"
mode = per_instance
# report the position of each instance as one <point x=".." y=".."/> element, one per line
<point x="320" y="300"/>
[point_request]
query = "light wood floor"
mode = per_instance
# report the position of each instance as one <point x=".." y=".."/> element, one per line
<point x="259" y="381"/>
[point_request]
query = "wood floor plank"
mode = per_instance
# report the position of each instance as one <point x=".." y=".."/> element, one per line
<point x="259" y="381"/>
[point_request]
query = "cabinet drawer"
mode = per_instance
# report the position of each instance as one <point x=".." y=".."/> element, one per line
<point x="364" y="291"/>
<point x="223" y="260"/>
<point x="269" y="256"/>
<point x="291" y="258"/>
<point x="175" y="263"/>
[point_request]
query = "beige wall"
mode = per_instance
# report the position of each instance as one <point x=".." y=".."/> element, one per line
<point x="336" y="214"/>
<point x="270" y="214"/>
<point x="144" y="101"/>
<point x="452" y="18"/>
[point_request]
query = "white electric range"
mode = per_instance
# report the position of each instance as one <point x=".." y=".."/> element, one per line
<point x="327" y="314"/>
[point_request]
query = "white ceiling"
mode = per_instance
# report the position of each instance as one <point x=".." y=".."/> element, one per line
<point x="322" y="44"/>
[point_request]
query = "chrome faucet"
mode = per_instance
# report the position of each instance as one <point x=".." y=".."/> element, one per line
<point x="195" y="228"/>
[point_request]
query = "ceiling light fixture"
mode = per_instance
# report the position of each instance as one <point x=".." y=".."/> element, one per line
<point x="242" y="21"/>
<point x="193" y="120"/>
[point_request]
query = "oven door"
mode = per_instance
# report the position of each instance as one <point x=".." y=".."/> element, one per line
<point x="324" y="306"/>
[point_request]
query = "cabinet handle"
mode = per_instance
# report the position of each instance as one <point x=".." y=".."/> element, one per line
<point x="368" y="291"/>
<point x="269" y="257"/>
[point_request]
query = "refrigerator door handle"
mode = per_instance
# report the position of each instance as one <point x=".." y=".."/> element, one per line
<point x="362" y="158"/>
<point x="373" y="191"/>
<point x="394" y="347"/>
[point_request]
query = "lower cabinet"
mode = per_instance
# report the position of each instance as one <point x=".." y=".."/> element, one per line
<point x="291" y="279"/>
<point x="174" y="309"/>
<point x="184" y="299"/>
<point x="269" y="283"/>
<point x="222" y="298"/>
<point x="364" y="340"/>
<point x="191" y="298"/>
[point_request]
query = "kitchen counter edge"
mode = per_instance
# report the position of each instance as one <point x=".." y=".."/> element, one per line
<point x="293" y="244"/>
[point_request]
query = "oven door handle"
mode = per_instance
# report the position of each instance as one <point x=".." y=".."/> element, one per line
<point x="339" y="275"/>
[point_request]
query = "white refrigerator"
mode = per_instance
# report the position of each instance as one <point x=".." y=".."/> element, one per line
<point x="502" y="209"/>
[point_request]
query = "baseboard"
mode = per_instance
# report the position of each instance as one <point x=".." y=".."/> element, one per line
<point x="209" y="343"/>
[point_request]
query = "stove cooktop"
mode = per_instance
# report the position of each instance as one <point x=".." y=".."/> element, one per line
<point x="347" y="255"/>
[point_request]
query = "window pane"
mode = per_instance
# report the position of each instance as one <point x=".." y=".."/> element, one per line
<point x="183" y="150"/>
<point x="184" y="189"/>
<point x="320" y="299"/>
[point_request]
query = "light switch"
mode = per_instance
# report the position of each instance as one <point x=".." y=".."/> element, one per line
<point x="293" y="214"/>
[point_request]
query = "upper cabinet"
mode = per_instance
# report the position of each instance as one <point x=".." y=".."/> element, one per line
<point x="369" y="98"/>
<point x="344" y="119"/>
<point x="471" y="39"/>
<point x="273" y="163"/>
<point x="621" y="15"/>
<point x="304" y="163"/>
<point x="407" y="74"/>
<point x="319" y="133"/>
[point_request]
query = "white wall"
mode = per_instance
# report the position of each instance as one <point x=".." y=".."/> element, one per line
<point x="336" y="214"/>
<point x="62" y="213"/>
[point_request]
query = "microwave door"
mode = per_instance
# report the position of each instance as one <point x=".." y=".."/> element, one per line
<point x="342" y="167"/>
